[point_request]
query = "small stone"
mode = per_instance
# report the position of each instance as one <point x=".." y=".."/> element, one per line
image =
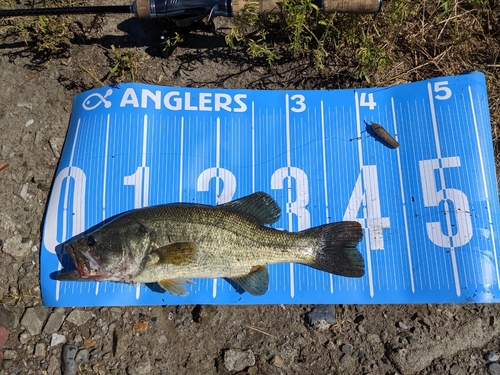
<point x="79" y="317"/>
<point x="7" y="364"/>
<point x="121" y="340"/>
<point x="330" y="345"/>
<point x="401" y="325"/>
<point x="492" y="357"/>
<point x="455" y="369"/>
<point x="140" y="326"/>
<point x="140" y="367"/>
<point x="78" y="339"/>
<point x="88" y="343"/>
<point x="9" y="319"/>
<point x="162" y="340"/>
<point x="494" y="369"/>
<point x="373" y="338"/>
<point x="276" y="361"/>
<point x="82" y="356"/>
<point x="359" y="319"/>
<point x="40" y="351"/>
<point x="16" y="248"/>
<point x="346" y="348"/>
<point x="253" y="370"/>
<point x="237" y="360"/>
<point x="57" y="339"/>
<point x="485" y="310"/>
<point x="322" y="317"/>
<point x="34" y="318"/>
<point x="56" y="144"/>
<point x="24" y="337"/>
<point x="68" y="359"/>
<point x="203" y="313"/>
<point x="361" y="329"/>
<point x="10" y="354"/>
<point x="54" y="322"/>
<point x="54" y="366"/>
<point x="412" y="340"/>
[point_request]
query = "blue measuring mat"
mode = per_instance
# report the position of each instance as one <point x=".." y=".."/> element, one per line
<point x="429" y="208"/>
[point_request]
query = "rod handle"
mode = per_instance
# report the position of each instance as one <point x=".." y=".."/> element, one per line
<point x="343" y="6"/>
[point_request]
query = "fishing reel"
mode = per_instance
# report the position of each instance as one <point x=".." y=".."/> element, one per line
<point x="188" y="15"/>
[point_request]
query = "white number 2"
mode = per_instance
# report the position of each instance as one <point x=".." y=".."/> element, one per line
<point x="454" y="201"/>
<point x="221" y="175"/>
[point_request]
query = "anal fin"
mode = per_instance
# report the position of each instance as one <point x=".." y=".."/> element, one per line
<point x="175" y="286"/>
<point x="256" y="282"/>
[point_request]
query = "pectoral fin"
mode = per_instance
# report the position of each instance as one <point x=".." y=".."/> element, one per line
<point x="175" y="286"/>
<point x="256" y="282"/>
<point x="180" y="253"/>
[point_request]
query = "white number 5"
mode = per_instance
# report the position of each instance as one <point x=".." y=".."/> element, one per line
<point x="455" y="204"/>
<point x="442" y="87"/>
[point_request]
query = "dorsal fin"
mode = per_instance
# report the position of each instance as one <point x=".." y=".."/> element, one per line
<point x="260" y="206"/>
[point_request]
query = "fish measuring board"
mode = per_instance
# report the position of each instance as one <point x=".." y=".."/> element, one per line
<point x="429" y="208"/>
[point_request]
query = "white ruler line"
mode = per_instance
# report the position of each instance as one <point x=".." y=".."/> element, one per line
<point x="367" y="233"/>
<point x="144" y="175"/>
<point x="443" y="187"/>
<point x="104" y="178"/>
<point x="181" y="152"/>
<point x="105" y="172"/>
<point x="217" y="159"/>
<point x="217" y="183"/>
<point x="253" y="147"/>
<point x="145" y="170"/>
<point x="405" y="218"/>
<point x="324" y="161"/>
<point x="323" y="144"/>
<point x="144" y="140"/>
<point x="289" y="188"/>
<point x="486" y="192"/>
<point x="65" y="206"/>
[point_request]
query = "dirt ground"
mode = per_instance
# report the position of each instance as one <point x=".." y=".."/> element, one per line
<point x="36" y="97"/>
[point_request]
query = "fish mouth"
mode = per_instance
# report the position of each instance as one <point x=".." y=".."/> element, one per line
<point x="87" y="265"/>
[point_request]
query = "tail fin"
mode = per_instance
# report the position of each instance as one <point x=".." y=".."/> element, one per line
<point x="337" y="251"/>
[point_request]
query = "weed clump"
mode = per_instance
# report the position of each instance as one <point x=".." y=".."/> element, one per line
<point x="301" y="30"/>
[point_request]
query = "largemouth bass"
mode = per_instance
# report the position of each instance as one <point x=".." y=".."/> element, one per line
<point x="172" y="243"/>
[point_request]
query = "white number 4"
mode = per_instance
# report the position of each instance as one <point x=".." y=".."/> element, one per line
<point x="366" y="196"/>
<point x="370" y="103"/>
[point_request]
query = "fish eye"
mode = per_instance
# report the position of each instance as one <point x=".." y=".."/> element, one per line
<point x="91" y="241"/>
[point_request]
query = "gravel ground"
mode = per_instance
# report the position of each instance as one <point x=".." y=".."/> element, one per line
<point x="341" y="339"/>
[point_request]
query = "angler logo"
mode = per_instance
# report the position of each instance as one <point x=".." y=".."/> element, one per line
<point x="187" y="101"/>
<point x="95" y="100"/>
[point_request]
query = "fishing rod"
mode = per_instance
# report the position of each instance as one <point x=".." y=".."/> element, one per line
<point x="184" y="13"/>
